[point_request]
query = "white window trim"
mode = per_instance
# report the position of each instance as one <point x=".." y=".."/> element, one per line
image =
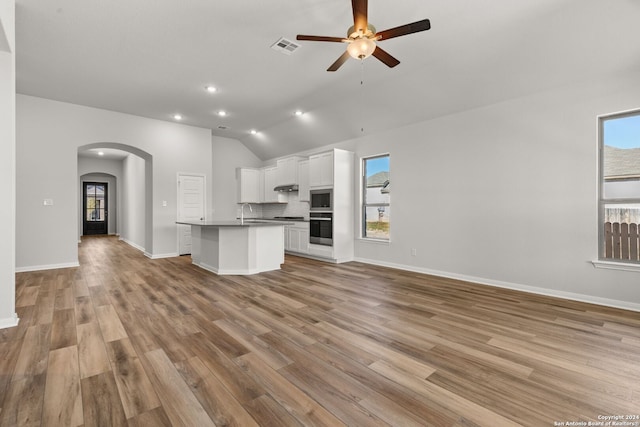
<point x="373" y="240"/>
<point x="612" y="265"/>
<point x="604" y="263"/>
<point x="361" y="237"/>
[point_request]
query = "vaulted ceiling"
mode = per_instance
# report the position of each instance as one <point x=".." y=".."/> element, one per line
<point x="153" y="58"/>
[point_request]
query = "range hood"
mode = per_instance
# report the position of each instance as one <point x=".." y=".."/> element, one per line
<point x="286" y="188"/>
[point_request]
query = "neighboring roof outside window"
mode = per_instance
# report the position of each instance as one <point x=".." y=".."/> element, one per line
<point x="621" y="163"/>
<point x="378" y="179"/>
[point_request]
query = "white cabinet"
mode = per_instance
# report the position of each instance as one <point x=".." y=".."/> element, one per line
<point x="256" y="186"/>
<point x="303" y="180"/>
<point x="287" y="171"/>
<point x="335" y="170"/>
<point x="296" y="238"/>
<point x="248" y="185"/>
<point x="269" y="195"/>
<point x="321" y="170"/>
<point x="270" y="176"/>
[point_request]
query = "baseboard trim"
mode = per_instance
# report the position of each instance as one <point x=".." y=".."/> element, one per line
<point x="9" y="322"/>
<point x="47" y="267"/>
<point x="133" y="245"/>
<point x="160" y="256"/>
<point x="625" y="305"/>
<point x="149" y="254"/>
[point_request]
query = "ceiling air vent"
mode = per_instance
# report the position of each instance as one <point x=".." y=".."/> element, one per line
<point x="285" y="46"/>
<point x="222" y="127"/>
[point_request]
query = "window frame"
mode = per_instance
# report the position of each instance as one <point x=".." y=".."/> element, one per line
<point x="364" y="205"/>
<point x="602" y="261"/>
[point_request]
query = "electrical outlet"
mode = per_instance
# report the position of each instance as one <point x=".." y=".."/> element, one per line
<point x="414" y="252"/>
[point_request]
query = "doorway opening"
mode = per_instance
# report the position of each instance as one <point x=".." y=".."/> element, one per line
<point x="129" y="173"/>
<point x="94" y="208"/>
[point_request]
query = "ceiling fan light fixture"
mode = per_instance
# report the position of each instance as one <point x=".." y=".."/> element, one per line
<point x="361" y="48"/>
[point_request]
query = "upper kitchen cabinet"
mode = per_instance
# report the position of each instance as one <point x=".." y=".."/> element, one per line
<point x="287" y="173"/>
<point x="303" y="180"/>
<point x="248" y="185"/>
<point x="327" y="169"/>
<point x="270" y="181"/>
<point x="321" y="169"/>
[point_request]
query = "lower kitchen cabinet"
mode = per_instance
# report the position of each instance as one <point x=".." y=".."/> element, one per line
<point x="296" y="238"/>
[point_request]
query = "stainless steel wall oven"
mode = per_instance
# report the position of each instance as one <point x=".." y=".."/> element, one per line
<point x="321" y="228"/>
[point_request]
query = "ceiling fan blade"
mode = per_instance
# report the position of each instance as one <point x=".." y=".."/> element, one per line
<point x="360" y="20"/>
<point x="343" y="58"/>
<point x="320" y="38"/>
<point x="383" y="56"/>
<point x="402" y="30"/>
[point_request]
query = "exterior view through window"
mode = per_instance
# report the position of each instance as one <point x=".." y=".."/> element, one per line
<point x="376" y="206"/>
<point x="620" y="187"/>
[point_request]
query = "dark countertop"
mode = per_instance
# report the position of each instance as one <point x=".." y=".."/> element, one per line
<point x="249" y="222"/>
<point x="284" y="218"/>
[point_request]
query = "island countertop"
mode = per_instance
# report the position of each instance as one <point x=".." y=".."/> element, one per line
<point x="237" y="247"/>
<point x="236" y="223"/>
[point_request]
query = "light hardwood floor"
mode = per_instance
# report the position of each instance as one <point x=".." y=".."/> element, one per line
<point x="125" y="340"/>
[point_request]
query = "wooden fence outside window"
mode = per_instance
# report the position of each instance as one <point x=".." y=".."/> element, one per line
<point x="621" y="241"/>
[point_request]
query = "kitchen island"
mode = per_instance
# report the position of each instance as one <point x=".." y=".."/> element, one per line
<point x="237" y="247"/>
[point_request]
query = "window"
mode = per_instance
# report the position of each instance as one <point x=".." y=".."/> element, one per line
<point x="376" y="206"/>
<point x="619" y="202"/>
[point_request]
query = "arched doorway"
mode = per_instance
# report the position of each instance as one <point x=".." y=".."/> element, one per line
<point x="132" y="168"/>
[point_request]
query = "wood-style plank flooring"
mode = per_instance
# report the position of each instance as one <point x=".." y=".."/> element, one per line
<point x="125" y="340"/>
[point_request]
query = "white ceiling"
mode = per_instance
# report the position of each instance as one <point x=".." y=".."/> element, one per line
<point x="153" y="58"/>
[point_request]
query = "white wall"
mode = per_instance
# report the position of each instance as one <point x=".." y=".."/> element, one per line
<point x="506" y="194"/>
<point x="228" y="154"/>
<point x="48" y="136"/>
<point x="133" y="201"/>
<point x="8" y="316"/>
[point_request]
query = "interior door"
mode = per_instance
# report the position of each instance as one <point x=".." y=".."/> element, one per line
<point x="191" y="207"/>
<point x="94" y="208"/>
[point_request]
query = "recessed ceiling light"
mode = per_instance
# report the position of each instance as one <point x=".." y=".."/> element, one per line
<point x="211" y="89"/>
<point x="177" y="116"/>
<point x="222" y="113"/>
<point x="298" y="113"/>
<point x="254" y="132"/>
<point x="100" y="153"/>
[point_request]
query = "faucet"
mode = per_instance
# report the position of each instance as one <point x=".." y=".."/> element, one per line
<point x="242" y="212"/>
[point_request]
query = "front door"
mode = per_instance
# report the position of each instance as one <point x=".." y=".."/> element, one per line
<point x="94" y="204"/>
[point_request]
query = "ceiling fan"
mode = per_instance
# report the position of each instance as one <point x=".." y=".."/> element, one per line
<point x="362" y="37"/>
